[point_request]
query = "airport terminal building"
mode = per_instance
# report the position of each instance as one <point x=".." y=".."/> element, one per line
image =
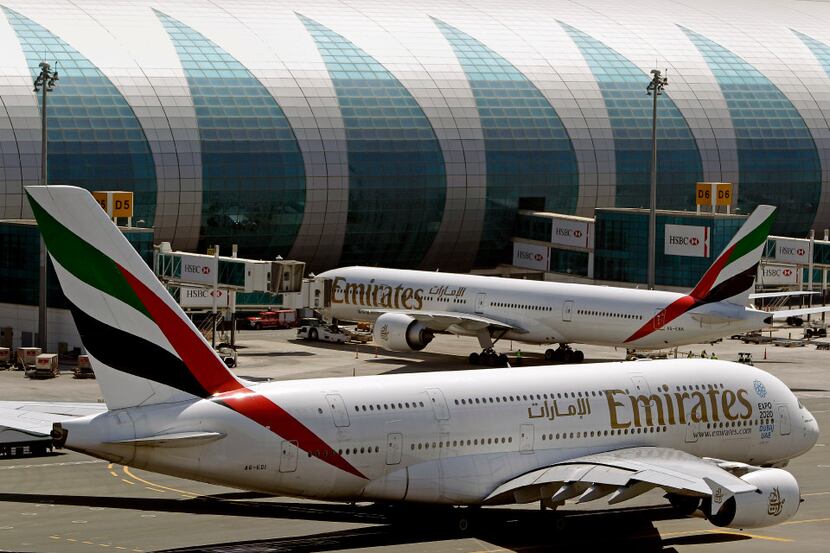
<point x="410" y="134"/>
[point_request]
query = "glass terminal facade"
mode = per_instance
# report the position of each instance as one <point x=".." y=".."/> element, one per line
<point x="409" y="135"/>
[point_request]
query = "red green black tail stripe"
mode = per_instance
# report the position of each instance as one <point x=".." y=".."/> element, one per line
<point x="196" y="370"/>
<point x="706" y="291"/>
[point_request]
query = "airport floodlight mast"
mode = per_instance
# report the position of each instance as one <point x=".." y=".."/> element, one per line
<point x="654" y="89"/>
<point x="45" y="83"/>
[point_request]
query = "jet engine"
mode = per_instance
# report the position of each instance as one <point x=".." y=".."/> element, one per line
<point x="776" y="500"/>
<point x="399" y="332"/>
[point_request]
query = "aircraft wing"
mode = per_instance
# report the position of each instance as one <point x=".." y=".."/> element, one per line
<point x="784" y="313"/>
<point x="623" y="474"/>
<point x="442" y="320"/>
<point x="36" y="418"/>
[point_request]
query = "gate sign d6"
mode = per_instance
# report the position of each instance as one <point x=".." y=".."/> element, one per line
<point x="724" y="191"/>
<point x="713" y="193"/>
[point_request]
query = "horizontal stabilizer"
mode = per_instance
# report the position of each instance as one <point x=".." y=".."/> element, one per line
<point x="785" y="313"/>
<point x="781" y="294"/>
<point x="178" y="439"/>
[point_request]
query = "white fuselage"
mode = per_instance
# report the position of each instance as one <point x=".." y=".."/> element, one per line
<point x="546" y="312"/>
<point x="453" y="437"/>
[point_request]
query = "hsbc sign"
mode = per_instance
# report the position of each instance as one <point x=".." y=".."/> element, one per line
<point x="686" y="240"/>
<point x="530" y="256"/>
<point x="792" y="251"/>
<point x="568" y="232"/>
<point x="778" y="275"/>
<point x="198" y="270"/>
<point x="202" y="297"/>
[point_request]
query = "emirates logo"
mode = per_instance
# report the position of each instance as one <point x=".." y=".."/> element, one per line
<point x="384" y="333"/>
<point x="717" y="496"/>
<point x="776" y="503"/>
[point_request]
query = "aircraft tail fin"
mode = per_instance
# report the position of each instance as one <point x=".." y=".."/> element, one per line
<point x="142" y="346"/>
<point x="731" y="277"/>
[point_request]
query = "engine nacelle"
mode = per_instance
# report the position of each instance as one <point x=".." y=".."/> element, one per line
<point x="399" y="332"/>
<point x="777" y="501"/>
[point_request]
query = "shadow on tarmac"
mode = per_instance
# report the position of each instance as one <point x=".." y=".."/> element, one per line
<point x="511" y="529"/>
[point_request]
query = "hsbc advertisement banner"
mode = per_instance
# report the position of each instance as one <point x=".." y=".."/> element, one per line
<point x="202" y="297"/>
<point x="686" y="240"/>
<point x="792" y="251"/>
<point x="530" y="256"/>
<point x="198" y="270"/>
<point x="778" y="275"/>
<point x="567" y="232"/>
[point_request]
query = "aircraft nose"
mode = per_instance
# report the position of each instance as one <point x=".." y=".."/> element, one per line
<point x="811" y="430"/>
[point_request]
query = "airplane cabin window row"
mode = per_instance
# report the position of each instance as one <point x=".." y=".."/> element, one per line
<point x="388" y="406"/>
<point x="521" y="306"/>
<point x="609" y="314"/>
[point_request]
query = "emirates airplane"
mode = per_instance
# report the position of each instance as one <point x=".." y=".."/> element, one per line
<point x="409" y="307"/>
<point x="712" y="435"/>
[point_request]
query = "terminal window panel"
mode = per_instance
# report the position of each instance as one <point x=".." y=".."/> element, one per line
<point x="397" y="177"/>
<point x="777" y="157"/>
<point x="95" y="140"/>
<point x="527" y="149"/>
<point x="623" y="88"/>
<point x="253" y="174"/>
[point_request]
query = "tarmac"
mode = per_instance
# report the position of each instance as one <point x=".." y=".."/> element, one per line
<point x="73" y="503"/>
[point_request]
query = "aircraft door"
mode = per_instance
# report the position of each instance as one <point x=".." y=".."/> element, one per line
<point x="567" y="311"/>
<point x="393" y="448"/>
<point x="439" y="404"/>
<point x="526" y="438"/>
<point x="288" y="456"/>
<point x="338" y="410"/>
<point x="480" y="298"/>
<point x="784" y="426"/>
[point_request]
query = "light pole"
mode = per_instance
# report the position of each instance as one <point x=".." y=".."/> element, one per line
<point x="45" y="82"/>
<point x="654" y="89"/>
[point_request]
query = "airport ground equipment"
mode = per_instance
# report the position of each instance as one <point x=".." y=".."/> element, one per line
<point x="323" y="332"/>
<point x="83" y="368"/>
<point x="26" y="357"/>
<point x="46" y="366"/>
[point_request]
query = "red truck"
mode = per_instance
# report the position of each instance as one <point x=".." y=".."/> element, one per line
<point x="279" y="318"/>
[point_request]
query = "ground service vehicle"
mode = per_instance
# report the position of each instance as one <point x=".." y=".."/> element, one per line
<point x="609" y="430"/>
<point x="283" y="318"/>
<point x="318" y="331"/>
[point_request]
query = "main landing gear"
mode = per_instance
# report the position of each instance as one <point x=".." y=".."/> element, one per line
<point x="564" y="354"/>
<point x="488" y="357"/>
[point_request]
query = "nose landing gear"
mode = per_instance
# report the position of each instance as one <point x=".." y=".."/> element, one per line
<point x="564" y="354"/>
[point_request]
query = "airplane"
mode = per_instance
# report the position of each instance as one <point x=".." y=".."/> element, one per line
<point x="408" y="307"/>
<point x="711" y="434"/>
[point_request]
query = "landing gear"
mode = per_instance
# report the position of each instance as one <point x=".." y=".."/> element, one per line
<point x="564" y="354"/>
<point x="488" y="357"/>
